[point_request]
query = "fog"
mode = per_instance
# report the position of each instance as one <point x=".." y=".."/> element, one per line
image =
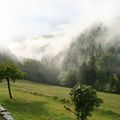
<point x="37" y="28"/>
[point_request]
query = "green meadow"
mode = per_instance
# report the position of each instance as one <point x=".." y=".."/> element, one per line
<point x="34" y="101"/>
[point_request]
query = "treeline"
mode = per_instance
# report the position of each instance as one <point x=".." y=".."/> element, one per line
<point x="91" y="59"/>
<point x="38" y="71"/>
<point x="94" y="62"/>
<point x="44" y="71"/>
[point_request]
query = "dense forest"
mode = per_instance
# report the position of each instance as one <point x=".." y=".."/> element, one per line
<point x="91" y="59"/>
<point x="94" y="60"/>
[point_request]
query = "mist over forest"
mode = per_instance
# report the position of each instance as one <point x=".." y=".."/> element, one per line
<point x="92" y="57"/>
<point x="63" y="42"/>
<point x="60" y="59"/>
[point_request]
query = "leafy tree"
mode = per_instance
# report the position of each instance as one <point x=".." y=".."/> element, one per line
<point x="9" y="71"/>
<point x="85" y="100"/>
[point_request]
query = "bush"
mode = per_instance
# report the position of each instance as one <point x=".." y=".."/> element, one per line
<point x="85" y="100"/>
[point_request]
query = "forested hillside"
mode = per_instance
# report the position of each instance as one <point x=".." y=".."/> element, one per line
<point x="95" y="60"/>
<point x="92" y="58"/>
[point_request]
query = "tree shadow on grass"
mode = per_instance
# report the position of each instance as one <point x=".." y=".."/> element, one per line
<point x="26" y="107"/>
<point x="33" y="110"/>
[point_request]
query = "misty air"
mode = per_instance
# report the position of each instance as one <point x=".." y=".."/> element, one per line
<point x="59" y="60"/>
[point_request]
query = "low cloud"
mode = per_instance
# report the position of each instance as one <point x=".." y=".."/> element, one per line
<point x="23" y="23"/>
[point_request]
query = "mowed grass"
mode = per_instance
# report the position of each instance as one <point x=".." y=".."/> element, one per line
<point x="35" y="101"/>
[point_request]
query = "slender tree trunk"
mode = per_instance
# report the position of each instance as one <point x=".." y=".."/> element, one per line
<point x="9" y="89"/>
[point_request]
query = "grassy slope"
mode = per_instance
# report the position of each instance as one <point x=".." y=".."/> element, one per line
<point x="35" y="102"/>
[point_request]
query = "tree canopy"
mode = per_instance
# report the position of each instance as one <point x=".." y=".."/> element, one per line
<point x="10" y="71"/>
<point x="85" y="100"/>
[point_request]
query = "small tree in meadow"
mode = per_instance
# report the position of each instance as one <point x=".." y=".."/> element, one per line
<point x="9" y="71"/>
<point x="85" y="100"/>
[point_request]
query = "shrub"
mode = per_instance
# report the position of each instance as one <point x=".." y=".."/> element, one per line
<point x="85" y="100"/>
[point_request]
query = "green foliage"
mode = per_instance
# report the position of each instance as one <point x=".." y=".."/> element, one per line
<point x="85" y="100"/>
<point x="88" y="73"/>
<point x="95" y="64"/>
<point x="10" y="70"/>
<point x="34" y="69"/>
<point x="68" y="78"/>
<point x="37" y="71"/>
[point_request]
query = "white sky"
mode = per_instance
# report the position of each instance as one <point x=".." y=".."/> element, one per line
<point x="28" y="18"/>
